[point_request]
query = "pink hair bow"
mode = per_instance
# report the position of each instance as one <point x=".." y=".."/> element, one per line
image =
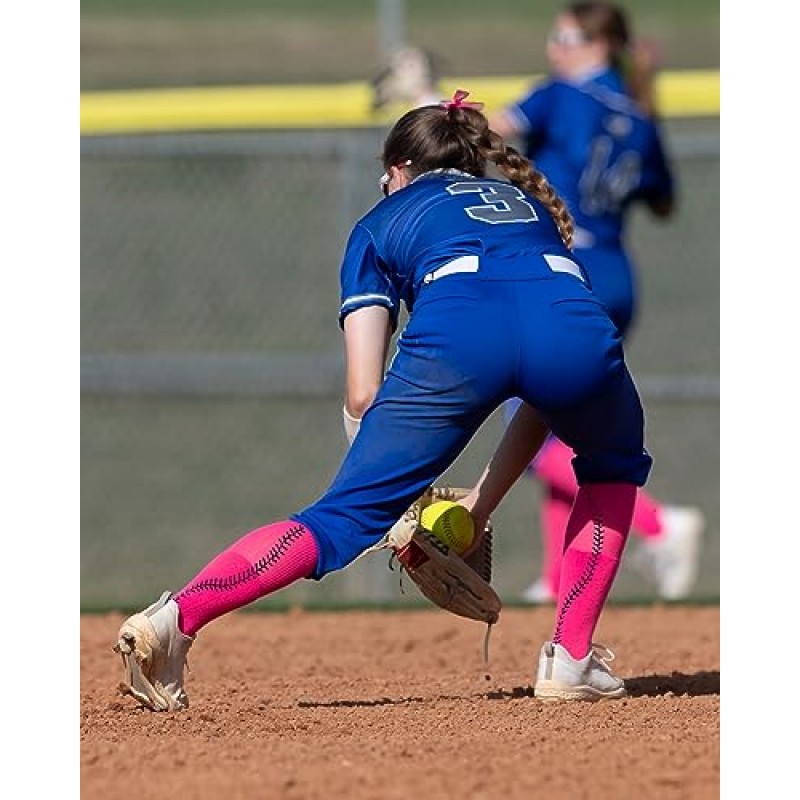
<point x="458" y="101"/>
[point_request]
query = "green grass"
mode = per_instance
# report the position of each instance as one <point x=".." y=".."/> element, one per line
<point x="451" y="10"/>
<point x="183" y="43"/>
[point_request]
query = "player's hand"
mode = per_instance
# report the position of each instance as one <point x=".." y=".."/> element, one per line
<point x="481" y="521"/>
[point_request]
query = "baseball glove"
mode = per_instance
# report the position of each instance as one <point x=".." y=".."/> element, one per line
<point x="459" y="585"/>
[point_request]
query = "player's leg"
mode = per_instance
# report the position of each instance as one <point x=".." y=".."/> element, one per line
<point x="154" y="644"/>
<point x="554" y="513"/>
<point x="613" y="281"/>
<point x="669" y="555"/>
<point x="423" y="417"/>
<point x="420" y="421"/>
<point x="439" y="390"/>
<point x="670" y="535"/>
<point x="579" y="380"/>
<point x="377" y="482"/>
<point x="552" y="467"/>
<point x="611" y="464"/>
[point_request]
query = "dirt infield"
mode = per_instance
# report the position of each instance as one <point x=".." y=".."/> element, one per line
<point x="384" y="705"/>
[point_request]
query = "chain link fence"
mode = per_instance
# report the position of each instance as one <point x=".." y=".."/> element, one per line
<point x="211" y="363"/>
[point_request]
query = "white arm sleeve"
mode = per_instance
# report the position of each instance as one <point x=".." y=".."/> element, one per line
<point x="351" y="425"/>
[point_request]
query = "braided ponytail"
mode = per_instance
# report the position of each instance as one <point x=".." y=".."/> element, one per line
<point x="523" y="175"/>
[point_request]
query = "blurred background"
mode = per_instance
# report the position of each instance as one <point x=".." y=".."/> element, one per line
<point x="211" y="366"/>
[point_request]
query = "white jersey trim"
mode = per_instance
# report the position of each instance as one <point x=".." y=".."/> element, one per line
<point x="378" y="299"/>
<point x="457" y="265"/>
<point x="561" y="264"/>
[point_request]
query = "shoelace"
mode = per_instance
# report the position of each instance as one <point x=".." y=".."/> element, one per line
<point x="603" y="654"/>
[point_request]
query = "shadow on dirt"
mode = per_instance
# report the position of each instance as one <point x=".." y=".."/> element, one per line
<point x="380" y="701"/>
<point x="696" y="685"/>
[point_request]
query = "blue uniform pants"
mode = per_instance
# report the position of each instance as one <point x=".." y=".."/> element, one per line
<point x="472" y="342"/>
<point x="613" y="280"/>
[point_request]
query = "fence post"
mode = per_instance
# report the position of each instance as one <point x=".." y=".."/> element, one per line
<point x="391" y="26"/>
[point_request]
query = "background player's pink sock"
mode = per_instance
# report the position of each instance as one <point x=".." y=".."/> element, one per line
<point x="596" y="534"/>
<point x="646" y="516"/>
<point x="556" y="507"/>
<point x="261" y="562"/>
<point x="553" y="467"/>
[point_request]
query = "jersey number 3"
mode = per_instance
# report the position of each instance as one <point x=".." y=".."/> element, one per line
<point x="500" y="202"/>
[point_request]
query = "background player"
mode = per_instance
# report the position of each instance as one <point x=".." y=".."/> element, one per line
<point x="591" y="128"/>
<point x="410" y="76"/>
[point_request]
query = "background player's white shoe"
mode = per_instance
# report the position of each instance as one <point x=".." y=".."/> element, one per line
<point x="562" y="677"/>
<point x="538" y="593"/>
<point x="153" y="653"/>
<point x="671" y="560"/>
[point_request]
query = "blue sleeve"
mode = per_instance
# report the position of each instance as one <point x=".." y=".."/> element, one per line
<point x="658" y="180"/>
<point x="363" y="277"/>
<point x="531" y="113"/>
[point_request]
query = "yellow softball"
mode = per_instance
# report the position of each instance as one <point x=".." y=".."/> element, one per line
<point x="451" y="523"/>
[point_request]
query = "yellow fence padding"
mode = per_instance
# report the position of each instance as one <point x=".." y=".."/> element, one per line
<point x="342" y="105"/>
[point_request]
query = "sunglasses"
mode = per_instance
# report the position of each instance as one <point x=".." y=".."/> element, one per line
<point x="567" y="37"/>
<point x="386" y="178"/>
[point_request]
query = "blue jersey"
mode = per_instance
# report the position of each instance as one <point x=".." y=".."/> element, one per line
<point x="597" y="149"/>
<point x="444" y="222"/>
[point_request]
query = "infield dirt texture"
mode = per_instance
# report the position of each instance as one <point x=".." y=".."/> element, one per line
<point x="382" y="705"/>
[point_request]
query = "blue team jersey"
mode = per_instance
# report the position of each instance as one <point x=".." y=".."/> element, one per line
<point x="597" y="149"/>
<point x="446" y="221"/>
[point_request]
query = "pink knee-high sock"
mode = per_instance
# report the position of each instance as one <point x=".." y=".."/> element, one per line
<point x="261" y="562"/>
<point x="646" y="516"/>
<point x="556" y="507"/>
<point x="553" y="467"/>
<point x="596" y="534"/>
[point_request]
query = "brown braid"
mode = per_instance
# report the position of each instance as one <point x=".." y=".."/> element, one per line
<point x="523" y="175"/>
<point x="432" y="137"/>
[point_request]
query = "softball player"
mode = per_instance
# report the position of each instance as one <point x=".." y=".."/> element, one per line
<point x="410" y="76"/>
<point x="591" y="129"/>
<point x="498" y="308"/>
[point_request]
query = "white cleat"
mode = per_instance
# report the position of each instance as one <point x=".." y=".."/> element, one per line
<point x="153" y="652"/>
<point x="538" y="593"/>
<point x="671" y="560"/>
<point x="561" y="677"/>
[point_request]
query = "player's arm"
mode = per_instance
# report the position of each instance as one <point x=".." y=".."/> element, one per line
<point x="367" y="332"/>
<point x="368" y="317"/>
<point x="661" y="207"/>
<point x="522" y="439"/>
<point x="658" y="180"/>
<point x="527" y="118"/>
<point x="504" y="124"/>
